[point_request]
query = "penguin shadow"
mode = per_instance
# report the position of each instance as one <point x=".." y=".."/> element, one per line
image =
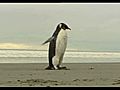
<point x="63" y="68"/>
<point x="59" y="68"/>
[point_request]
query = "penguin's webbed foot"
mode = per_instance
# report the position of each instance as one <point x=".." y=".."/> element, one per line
<point x="62" y="68"/>
<point x="50" y="68"/>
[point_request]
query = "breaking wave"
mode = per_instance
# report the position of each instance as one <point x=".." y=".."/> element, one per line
<point x="43" y="53"/>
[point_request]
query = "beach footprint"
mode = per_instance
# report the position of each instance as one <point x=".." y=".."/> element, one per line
<point x="116" y="82"/>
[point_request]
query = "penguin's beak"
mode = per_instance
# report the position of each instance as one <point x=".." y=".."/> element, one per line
<point x="69" y="28"/>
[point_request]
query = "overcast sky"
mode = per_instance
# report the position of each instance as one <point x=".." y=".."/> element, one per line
<point x="94" y="26"/>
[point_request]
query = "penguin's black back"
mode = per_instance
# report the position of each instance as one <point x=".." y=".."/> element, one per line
<point x="52" y="45"/>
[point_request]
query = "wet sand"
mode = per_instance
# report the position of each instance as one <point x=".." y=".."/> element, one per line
<point x="80" y="75"/>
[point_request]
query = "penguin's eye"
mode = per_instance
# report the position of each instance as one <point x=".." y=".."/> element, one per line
<point x="60" y="25"/>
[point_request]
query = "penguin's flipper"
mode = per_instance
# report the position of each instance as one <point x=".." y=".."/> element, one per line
<point x="49" y="40"/>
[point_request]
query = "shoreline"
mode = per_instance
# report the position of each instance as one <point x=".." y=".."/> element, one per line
<point x="79" y="75"/>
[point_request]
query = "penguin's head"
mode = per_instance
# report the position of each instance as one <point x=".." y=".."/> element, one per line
<point x="64" y="26"/>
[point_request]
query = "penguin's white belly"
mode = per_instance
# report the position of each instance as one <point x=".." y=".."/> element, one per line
<point x="61" y="43"/>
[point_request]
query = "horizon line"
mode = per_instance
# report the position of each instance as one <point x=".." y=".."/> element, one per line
<point x="60" y="3"/>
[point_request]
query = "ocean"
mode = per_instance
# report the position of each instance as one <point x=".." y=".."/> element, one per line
<point x="71" y="56"/>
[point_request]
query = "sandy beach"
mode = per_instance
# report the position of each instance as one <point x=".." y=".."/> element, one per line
<point x="80" y="75"/>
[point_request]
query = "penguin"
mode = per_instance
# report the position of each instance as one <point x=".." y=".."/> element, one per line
<point x="57" y="47"/>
